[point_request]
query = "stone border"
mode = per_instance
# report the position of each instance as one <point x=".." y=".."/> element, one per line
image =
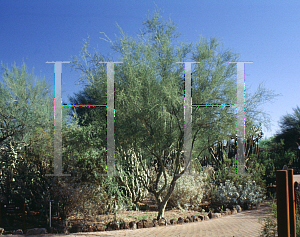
<point x="114" y="225"/>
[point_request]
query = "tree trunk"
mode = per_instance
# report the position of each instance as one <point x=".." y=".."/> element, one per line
<point x="161" y="209"/>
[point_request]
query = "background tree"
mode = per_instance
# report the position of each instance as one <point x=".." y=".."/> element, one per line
<point x="290" y="130"/>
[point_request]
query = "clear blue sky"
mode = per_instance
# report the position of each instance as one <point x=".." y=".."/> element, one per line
<point x="265" y="32"/>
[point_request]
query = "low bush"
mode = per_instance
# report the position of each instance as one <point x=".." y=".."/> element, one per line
<point x="247" y="194"/>
<point x="189" y="190"/>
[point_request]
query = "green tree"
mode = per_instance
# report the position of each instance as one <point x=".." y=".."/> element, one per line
<point x="149" y="91"/>
<point x="290" y="130"/>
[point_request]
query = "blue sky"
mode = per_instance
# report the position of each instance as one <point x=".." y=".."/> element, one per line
<point x="265" y="32"/>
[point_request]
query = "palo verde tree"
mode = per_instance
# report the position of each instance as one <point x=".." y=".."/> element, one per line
<point x="149" y="102"/>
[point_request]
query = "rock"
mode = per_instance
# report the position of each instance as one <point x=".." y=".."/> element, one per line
<point x="124" y="226"/>
<point x="1" y="231"/>
<point x="237" y="207"/>
<point x="189" y="218"/>
<point x="100" y="227"/>
<point x="112" y="226"/>
<point x="234" y="211"/>
<point x="228" y="211"/>
<point x="36" y="231"/>
<point x="140" y="224"/>
<point x="186" y="220"/>
<point x="180" y="220"/>
<point x="132" y="225"/>
<point x="85" y="228"/>
<point x="147" y="224"/>
<point x="18" y="232"/>
<point x="201" y="218"/>
<point x="155" y="223"/>
<point x="215" y="215"/>
<point x="161" y="222"/>
<point x="205" y="218"/>
<point x="89" y="228"/>
<point x="167" y="221"/>
<point x="173" y="221"/>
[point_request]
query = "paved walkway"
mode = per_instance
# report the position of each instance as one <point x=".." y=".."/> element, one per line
<point x="243" y="224"/>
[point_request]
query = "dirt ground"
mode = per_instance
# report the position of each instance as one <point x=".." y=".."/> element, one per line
<point x="138" y="215"/>
<point x="134" y="216"/>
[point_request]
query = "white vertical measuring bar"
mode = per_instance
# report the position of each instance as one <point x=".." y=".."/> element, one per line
<point x="58" y="119"/>
<point x="110" y="120"/>
<point x="240" y="106"/>
<point x="188" y="118"/>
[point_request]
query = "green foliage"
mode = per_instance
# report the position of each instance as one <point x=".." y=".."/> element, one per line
<point x="290" y="130"/>
<point x="273" y="158"/>
<point x="24" y="106"/>
<point x="26" y="118"/>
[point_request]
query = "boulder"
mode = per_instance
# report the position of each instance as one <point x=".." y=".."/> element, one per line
<point x="92" y="228"/>
<point x="186" y="220"/>
<point x="180" y="220"/>
<point x="36" y="231"/>
<point x="167" y="221"/>
<point x="147" y="224"/>
<point x="228" y="212"/>
<point x="112" y="226"/>
<point x="132" y="225"/>
<point x="124" y="226"/>
<point x="189" y="218"/>
<point x="216" y="215"/>
<point x="155" y="223"/>
<point x="1" y="231"/>
<point x="6" y="232"/>
<point x="173" y="221"/>
<point x="18" y="232"/>
<point x="140" y="224"/>
<point x="161" y="222"/>
<point x="234" y="211"/>
<point x="238" y="208"/>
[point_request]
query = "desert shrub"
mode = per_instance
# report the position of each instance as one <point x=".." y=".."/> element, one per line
<point x="248" y="193"/>
<point x="251" y="193"/>
<point x="226" y="193"/>
<point x="189" y="190"/>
